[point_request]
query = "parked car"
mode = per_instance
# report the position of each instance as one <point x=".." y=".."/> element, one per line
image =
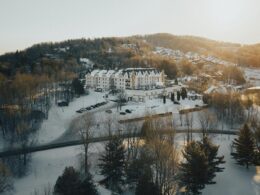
<point x="88" y="108"/>
<point x="109" y="111"/>
<point x="62" y="103"/>
<point x="98" y="90"/>
<point x="122" y="113"/>
<point x="176" y="102"/>
<point x="79" y="111"/>
<point x="128" y="111"/>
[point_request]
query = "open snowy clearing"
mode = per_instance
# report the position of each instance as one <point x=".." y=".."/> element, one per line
<point x="60" y="117"/>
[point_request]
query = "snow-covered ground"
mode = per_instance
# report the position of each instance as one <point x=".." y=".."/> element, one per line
<point x="48" y="165"/>
<point x="253" y="75"/>
<point x="60" y="117"/>
<point x="235" y="180"/>
<point x="140" y="109"/>
<point x="154" y="106"/>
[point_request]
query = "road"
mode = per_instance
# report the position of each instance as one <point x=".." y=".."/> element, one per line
<point x="49" y="146"/>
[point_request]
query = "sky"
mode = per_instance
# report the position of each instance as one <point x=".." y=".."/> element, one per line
<point x="26" y="22"/>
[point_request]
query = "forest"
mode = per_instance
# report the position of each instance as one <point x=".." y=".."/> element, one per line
<point x="109" y="53"/>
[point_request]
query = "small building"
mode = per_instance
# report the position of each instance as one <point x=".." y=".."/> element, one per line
<point x="143" y="95"/>
<point x="194" y="96"/>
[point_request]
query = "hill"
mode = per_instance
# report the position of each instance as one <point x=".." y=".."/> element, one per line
<point x="50" y="58"/>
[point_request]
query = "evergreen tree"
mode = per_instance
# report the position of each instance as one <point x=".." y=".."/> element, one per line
<point x="77" y="86"/>
<point x="200" y="166"/>
<point x="68" y="183"/>
<point x="87" y="186"/>
<point x="178" y="95"/>
<point x="138" y="166"/>
<point x="211" y="151"/>
<point x="194" y="171"/>
<point x="133" y="170"/>
<point x="113" y="163"/>
<point x="172" y="97"/>
<point x="183" y="93"/>
<point x="245" y="148"/>
<point x="176" y="81"/>
<point x="146" y="185"/>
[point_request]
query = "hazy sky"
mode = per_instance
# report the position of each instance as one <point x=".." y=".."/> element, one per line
<point x="25" y="22"/>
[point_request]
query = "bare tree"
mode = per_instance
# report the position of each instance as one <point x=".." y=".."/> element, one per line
<point x="163" y="153"/>
<point x="207" y="122"/>
<point x="45" y="190"/>
<point x="165" y="156"/>
<point x="132" y="141"/>
<point x="121" y="99"/>
<point x="189" y="123"/>
<point x="83" y="125"/>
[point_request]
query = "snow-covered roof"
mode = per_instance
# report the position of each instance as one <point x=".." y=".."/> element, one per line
<point x="220" y="89"/>
<point x="109" y="73"/>
<point x="254" y="88"/>
<point x="126" y="72"/>
<point x="94" y="72"/>
<point x="102" y="73"/>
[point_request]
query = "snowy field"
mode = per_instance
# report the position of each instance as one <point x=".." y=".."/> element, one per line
<point x="235" y="180"/>
<point x="140" y="109"/>
<point x="60" y="117"/>
<point x="48" y="165"/>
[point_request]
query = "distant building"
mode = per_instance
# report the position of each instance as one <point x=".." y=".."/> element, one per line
<point x="223" y="89"/>
<point x="143" y="95"/>
<point x="129" y="78"/>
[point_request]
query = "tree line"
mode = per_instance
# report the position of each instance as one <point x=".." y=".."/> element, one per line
<point x="151" y="164"/>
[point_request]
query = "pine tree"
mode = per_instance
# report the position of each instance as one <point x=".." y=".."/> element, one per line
<point x="77" y="86"/>
<point x="194" y="171"/>
<point x="183" y="93"/>
<point x="68" y="183"/>
<point x="214" y="161"/>
<point x="172" y="97"/>
<point x="146" y="185"/>
<point x="113" y="163"/>
<point x="245" y="147"/>
<point x="87" y="186"/>
<point x="178" y="95"/>
<point x="200" y="166"/>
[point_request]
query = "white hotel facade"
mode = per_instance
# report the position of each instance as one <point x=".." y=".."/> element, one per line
<point x="130" y="78"/>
